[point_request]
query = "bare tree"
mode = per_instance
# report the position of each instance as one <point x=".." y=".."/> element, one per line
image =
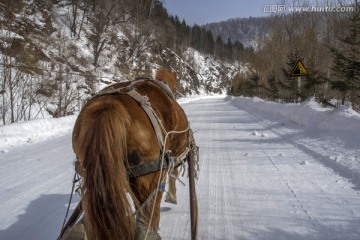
<point x="78" y="9"/>
<point x="19" y="91"/>
<point x="105" y="16"/>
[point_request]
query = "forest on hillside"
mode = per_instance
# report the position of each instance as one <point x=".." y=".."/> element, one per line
<point x="328" y="43"/>
<point x="55" y="53"/>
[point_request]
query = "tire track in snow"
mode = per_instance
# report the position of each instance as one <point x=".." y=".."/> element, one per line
<point x="283" y="179"/>
<point x="286" y="183"/>
<point x="344" y="204"/>
<point x="291" y="189"/>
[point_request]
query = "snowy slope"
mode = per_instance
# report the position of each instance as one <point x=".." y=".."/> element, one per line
<point x="263" y="176"/>
<point x="59" y="71"/>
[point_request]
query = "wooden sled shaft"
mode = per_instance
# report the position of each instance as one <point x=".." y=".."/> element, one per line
<point x="193" y="198"/>
<point x="72" y="220"/>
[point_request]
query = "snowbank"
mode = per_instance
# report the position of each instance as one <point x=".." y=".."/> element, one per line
<point x="309" y="114"/>
<point x="199" y="97"/>
<point x="34" y="131"/>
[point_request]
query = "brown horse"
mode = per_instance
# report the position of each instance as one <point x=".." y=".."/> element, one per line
<point x="112" y="134"/>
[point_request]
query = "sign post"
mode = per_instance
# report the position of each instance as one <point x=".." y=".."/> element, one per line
<point x="299" y="88"/>
<point x="299" y="71"/>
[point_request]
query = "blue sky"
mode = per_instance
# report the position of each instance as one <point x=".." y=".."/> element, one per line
<point x="206" y="11"/>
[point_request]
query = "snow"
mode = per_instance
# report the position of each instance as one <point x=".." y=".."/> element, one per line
<point x="9" y="35"/>
<point x="209" y="71"/>
<point x="296" y="178"/>
<point x="34" y="131"/>
<point x="309" y="113"/>
<point x="331" y="133"/>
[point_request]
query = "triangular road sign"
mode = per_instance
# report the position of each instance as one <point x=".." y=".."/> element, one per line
<point x="299" y="70"/>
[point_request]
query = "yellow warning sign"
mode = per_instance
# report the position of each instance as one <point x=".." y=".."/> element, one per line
<point x="299" y="70"/>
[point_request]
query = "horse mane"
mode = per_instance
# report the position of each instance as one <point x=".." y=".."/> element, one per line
<point x="167" y="76"/>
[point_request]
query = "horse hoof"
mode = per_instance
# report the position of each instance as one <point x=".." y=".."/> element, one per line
<point x="172" y="201"/>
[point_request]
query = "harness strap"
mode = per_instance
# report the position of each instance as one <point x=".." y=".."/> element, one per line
<point x="159" y="83"/>
<point x="155" y="165"/>
<point x="145" y="104"/>
<point x="163" y="85"/>
<point x="112" y="91"/>
<point x="146" y="168"/>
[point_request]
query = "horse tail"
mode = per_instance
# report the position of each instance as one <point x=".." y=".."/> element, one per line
<point x="106" y="189"/>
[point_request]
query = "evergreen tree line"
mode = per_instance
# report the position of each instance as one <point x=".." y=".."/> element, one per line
<point x="205" y="41"/>
<point x="329" y="46"/>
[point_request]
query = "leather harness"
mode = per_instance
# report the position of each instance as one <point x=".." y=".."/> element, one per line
<point x="155" y="165"/>
<point x="148" y="167"/>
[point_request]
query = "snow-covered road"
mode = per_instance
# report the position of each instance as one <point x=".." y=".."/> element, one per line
<point x="35" y="182"/>
<point x="257" y="185"/>
<point x="255" y="182"/>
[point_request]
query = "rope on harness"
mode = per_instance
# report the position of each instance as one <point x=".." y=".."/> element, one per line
<point x="75" y="180"/>
<point x="161" y="169"/>
<point x="174" y="163"/>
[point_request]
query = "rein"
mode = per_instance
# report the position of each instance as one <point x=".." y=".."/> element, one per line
<point x="75" y="215"/>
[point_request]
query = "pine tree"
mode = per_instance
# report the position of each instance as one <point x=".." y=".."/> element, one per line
<point x="273" y="88"/>
<point x="210" y="42"/>
<point x="311" y="83"/>
<point x="347" y="59"/>
<point x="219" y="44"/>
<point x="229" y="50"/>
<point x="288" y="85"/>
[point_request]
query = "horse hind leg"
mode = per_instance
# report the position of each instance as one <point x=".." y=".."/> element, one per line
<point x="143" y="233"/>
